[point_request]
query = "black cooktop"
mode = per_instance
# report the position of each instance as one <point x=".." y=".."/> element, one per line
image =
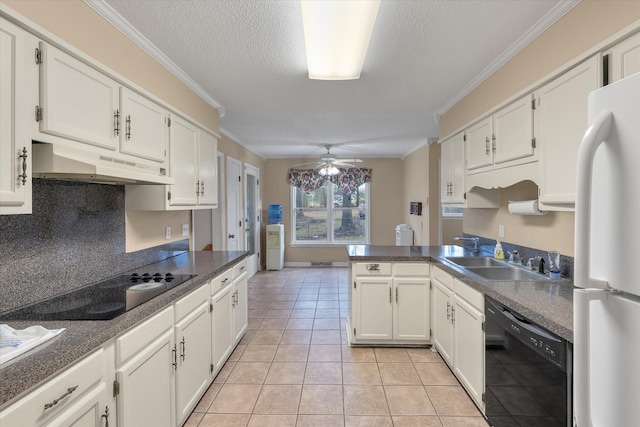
<point x="100" y="301"/>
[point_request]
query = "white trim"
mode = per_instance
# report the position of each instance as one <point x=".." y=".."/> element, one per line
<point x="115" y="19"/>
<point x="541" y="26"/>
<point x="237" y="140"/>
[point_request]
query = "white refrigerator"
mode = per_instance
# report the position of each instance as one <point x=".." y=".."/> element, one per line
<point x="606" y="306"/>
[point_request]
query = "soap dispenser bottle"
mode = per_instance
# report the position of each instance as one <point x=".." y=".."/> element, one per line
<point x="498" y="253"/>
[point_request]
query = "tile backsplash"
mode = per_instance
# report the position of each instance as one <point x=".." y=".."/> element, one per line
<point x="75" y="236"/>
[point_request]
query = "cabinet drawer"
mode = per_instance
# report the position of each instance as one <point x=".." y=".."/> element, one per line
<point x="190" y="302"/>
<point x="142" y="335"/>
<point x="66" y="388"/>
<point x="442" y="276"/>
<point x="373" y="269"/>
<point x="469" y="294"/>
<point x="239" y="268"/>
<point x="414" y="269"/>
<point x="221" y="281"/>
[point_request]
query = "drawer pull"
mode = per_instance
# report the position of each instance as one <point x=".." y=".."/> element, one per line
<point x="55" y="402"/>
<point x="373" y="267"/>
<point x="224" y="282"/>
<point x="105" y="416"/>
<point x="242" y="268"/>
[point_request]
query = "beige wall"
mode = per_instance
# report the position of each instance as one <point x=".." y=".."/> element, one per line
<point x="416" y="189"/>
<point x="583" y="27"/>
<point x="451" y="227"/>
<point x="387" y="205"/>
<point x="231" y="148"/>
<point x="80" y="26"/>
<point x="146" y="229"/>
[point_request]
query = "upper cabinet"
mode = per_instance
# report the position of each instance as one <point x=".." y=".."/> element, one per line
<point x="560" y="124"/>
<point x="452" y="173"/>
<point x="17" y="72"/>
<point x="503" y="139"/>
<point x="624" y="59"/>
<point x="193" y="165"/>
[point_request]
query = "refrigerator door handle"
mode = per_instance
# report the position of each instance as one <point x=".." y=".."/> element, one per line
<point x="581" y="350"/>
<point x="597" y="133"/>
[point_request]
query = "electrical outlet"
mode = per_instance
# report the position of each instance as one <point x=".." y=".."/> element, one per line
<point x="185" y="230"/>
<point x="501" y="230"/>
<point x="167" y="234"/>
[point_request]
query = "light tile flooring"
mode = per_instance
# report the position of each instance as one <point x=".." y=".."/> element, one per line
<point x="294" y="367"/>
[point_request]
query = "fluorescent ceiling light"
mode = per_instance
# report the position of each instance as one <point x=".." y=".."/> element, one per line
<point x="337" y="34"/>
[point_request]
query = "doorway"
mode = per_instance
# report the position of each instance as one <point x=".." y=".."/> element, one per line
<point x="252" y="217"/>
<point x="234" y="205"/>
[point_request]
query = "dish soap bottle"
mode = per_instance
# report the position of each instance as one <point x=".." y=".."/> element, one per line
<point x="498" y="253"/>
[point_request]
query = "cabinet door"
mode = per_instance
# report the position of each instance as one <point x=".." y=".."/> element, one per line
<point x="144" y="130"/>
<point x="18" y="86"/>
<point x="78" y="102"/>
<point x="411" y="313"/>
<point x="193" y="338"/>
<point x="222" y="342"/>
<point x="208" y="169"/>
<point x="442" y="327"/>
<point x="624" y="59"/>
<point x="513" y="130"/>
<point x="446" y="161"/>
<point x="479" y="149"/>
<point x="374" y="318"/>
<point x="90" y="411"/>
<point x="468" y="356"/>
<point x="560" y="124"/>
<point x="184" y="162"/>
<point x="240" y="308"/>
<point x="458" y="170"/>
<point x="147" y="384"/>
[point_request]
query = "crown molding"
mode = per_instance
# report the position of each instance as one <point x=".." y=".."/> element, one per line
<point x="115" y="19"/>
<point x="541" y="26"/>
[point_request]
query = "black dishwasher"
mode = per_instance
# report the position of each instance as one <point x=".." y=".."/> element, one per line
<point x="528" y="371"/>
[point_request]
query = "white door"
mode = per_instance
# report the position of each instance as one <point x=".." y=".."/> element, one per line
<point x="252" y="217"/>
<point x="218" y="215"/>
<point x="468" y="344"/>
<point x="234" y="205"/>
<point x="240" y="308"/>
<point x="375" y="309"/>
<point x="479" y="148"/>
<point x="207" y="169"/>
<point x="184" y="162"/>
<point x="412" y="311"/>
<point x="442" y="328"/>
<point x="513" y="130"/>
<point x="221" y="344"/>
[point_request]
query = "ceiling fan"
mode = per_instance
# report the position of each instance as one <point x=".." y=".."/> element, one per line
<point x="328" y="163"/>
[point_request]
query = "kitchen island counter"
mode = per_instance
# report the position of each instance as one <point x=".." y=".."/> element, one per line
<point x="549" y="304"/>
<point x="82" y="337"/>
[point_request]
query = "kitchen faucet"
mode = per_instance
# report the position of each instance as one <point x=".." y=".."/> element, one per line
<point x="540" y="264"/>
<point x="475" y="240"/>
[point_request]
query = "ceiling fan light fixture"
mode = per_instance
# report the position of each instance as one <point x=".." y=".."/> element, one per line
<point x="337" y="35"/>
<point x="329" y="171"/>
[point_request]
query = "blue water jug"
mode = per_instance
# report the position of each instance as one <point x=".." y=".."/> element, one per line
<point x="275" y="214"/>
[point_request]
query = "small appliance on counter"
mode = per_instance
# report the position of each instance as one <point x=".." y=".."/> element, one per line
<point x="404" y="235"/>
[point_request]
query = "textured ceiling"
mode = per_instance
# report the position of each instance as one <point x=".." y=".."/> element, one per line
<point x="250" y="57"/>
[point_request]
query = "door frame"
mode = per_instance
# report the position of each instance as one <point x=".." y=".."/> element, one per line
<point x="253" y="261"/>
<point x="239" y="207"/>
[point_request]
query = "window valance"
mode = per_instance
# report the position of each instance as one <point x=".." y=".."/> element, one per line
<point x="348" y="179"/>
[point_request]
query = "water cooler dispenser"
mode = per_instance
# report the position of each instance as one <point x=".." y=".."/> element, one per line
<point x="275" y="239"/>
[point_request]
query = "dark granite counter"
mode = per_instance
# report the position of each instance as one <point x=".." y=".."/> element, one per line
<point x="82" y="337"/>
<point x="550" y="304"/>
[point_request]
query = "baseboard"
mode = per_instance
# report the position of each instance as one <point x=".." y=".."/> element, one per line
<point x="317" y="264"/>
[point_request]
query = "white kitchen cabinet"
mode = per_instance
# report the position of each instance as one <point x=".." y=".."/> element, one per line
<point x="146" y="362"/>
<point x="76" y="396"/>
<point x="77" y="102"/>
<point x="143" y="127"/>
<point x="240" y="307"/>
<point x="452" y="169"/>
<point x="193" y="165"/>
<point x="624" y="58"/>
<point x="468" y="344"/>
<point x="458" y="330"/>
<point x="18" y="77"/>
<point x="193" y="340"/>
<point x="504" y="138"/>
<point x="390" y="303"/>
<point x="560" y="123"/>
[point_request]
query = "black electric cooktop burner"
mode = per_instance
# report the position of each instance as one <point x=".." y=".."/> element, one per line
<point x="100" y="301"/>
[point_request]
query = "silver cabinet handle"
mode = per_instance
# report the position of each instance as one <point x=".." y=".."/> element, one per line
<point x="390" y="294"/>
<point x="448" y="312"/>
<point x="243" y="268"/>
<point x="116" y="123"/>
<point x="174" y="354"/>
<point x="182" y="349"/>
<point x="486" y="146"/>
<point x="453" y="314"/>
<point x="396" y="295"/>
<point x="202" y="187"/>
<point x="373" y="267"/>
<point x="128" y="132"/>
<point x="24" y="156"/>
<point x="197" y="188"/>
<point x="493" y="143"/>
<point x="224" y="282"/>
<point x="55" y="402"/>
<point x="105" y="416"/>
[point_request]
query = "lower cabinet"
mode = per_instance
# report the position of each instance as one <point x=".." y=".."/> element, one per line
<point x="458" y="331"/>
<point x="78" y="396"/>
<point x="389" y="303"/>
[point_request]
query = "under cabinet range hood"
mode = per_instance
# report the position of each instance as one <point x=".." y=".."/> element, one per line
<point x="56" y="161"/>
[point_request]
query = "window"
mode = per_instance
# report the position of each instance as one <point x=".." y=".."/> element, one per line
<point x="450" y="212"/>
<point x="330" y="216"/>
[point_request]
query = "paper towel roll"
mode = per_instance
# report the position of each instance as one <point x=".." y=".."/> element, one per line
<point x="525" y="207"/>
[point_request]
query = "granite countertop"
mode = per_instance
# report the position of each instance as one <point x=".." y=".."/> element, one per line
<point x="82" y="337"/>
<point x="550" y="304"/>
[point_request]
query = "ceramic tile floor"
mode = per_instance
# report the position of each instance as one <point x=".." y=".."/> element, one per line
<point x="294" y="368"/>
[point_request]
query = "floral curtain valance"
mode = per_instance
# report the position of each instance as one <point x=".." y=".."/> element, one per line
<point x="348" y="179"/>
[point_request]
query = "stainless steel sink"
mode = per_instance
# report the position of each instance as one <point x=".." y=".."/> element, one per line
<point x="507" y="273"/>
<point x="476" y="261"/>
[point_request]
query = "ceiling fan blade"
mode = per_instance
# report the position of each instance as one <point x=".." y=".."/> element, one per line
<point x="307" y="164"/>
